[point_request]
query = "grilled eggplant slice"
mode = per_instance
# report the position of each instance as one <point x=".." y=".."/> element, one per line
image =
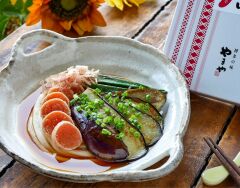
<point x="149" y="127"/>
<point x="105" y="147"/>
<point x="157" y="97"/>
<point x="135" y="146"/>
<point x="153" y="112"/>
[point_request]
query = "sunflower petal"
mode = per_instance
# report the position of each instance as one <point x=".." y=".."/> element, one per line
<point x="33" y="18"/>
<point x="137" y="2"/>
<point x="100" y="1"/>
<point x="140" y="1"/>
<point x="97" y="1"/>
<point x="110" y="3"/>
<point x="48" y="22"/>
<point x="127" y="3"/>
<point x="97" y="18"/>
<point x="34" y="8"/>
<point x="77" y="29"/>
<point x="85" y="24"/>
<point x="46" y="1"/>
<point x="37" y="2"/>
<point x="118" y="4"/>
<point x="134" y="2"/>
<point x="66" y="24"/>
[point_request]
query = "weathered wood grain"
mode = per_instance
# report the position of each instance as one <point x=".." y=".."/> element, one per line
<point x="230" y="144"/>
<point x="131" y="20"/>
<point x="5" y="160"/>
<point x="156" y="33"/>
<point x="208" y="119"/>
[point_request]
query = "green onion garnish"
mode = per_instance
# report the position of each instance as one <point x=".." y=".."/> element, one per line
<point x="136" y="134"/>
<point x="148" y="98"/>
<point x="120" y="136"/>
<point x="106" y="132"/>
<point x="97" y="91"/>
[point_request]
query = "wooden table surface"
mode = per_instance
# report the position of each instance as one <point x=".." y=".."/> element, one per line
<point x="219" y="120"/>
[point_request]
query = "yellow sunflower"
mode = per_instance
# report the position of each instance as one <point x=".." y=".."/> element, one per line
<point x="66" y="15"/>
<point x="120" y="3"/>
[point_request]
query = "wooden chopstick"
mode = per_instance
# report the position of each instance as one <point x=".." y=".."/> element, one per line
<point x="226" y="162"/>
<point x="233" y="165"/>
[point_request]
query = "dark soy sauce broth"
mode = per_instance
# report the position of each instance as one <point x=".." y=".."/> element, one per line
<point x="53" y="160"/>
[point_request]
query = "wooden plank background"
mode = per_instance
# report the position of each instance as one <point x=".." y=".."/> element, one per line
<point x="148" y="24"/>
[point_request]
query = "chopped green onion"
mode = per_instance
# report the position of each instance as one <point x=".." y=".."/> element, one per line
<point x="116" y="100"/>
<point x="127" y="112"/>
<point x="100" y="116"/>
<point x="87" y="114"/>
<point x="132" y="130"/>
<point x="98" y="121"/>
<point x="78" y="108"/>
<point x="133" y="119"/>
<point x="119" y="123"/>
<point x="97" y="91"/>
<point x="108" y="119"/>
<point x="103" y="125"/>
<point x="124" y="95"/>
<point x="143" y="107"/>
<point x="138" y="114"/>
<point x="148" y="98"/>
<point x="136" y="134"/>
<point x="101" y="103"/>
<point x="110" y="100"/>
<point x="133" y="116"/>
<point x="120" y="136"/>
<point x="106" y="132"/>
<point x="75" y="96"/>
<point x="127" y="104"/>
<point x="96" y="101"/>
<point x="146" y="107"/>
<point x="120" y="105"/>
<point x="139" y="126"/>
<point x="94" y="114"/>
<point x="72" y="102"/>
<point x="108" y="95"/>
<point x="107" y="110"/>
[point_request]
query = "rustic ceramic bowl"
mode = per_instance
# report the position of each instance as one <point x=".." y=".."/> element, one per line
<point x="112" y="55"/>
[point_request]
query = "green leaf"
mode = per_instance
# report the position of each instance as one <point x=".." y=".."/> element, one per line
<point x="3" y="4"/>
<point x="8" y="11"/>
<point x="11" y="13"/>
<point x="18" y="10"/>
<point x="28" y="3"/>
<point x="18" y="6"/>
<point x="3" y="24"/>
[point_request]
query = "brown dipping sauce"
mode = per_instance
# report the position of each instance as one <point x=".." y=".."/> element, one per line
<point x="53" y="160"/>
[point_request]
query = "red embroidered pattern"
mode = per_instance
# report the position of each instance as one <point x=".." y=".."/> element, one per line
<point x="198" y="40"/>
<point x="182" y="31"/>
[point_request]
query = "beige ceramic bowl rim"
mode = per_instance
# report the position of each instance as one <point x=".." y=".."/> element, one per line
<point x="134" y="175"/>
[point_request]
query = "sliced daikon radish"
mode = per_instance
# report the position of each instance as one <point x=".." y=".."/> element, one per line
<point x="33" y="134"/>
<point x="37" y="124"/>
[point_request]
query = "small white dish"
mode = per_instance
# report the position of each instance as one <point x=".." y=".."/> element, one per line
<point x="111" y="55"/>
